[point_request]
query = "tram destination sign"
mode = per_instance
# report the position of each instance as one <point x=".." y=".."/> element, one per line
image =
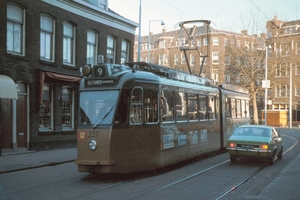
<point x="100" y="82"/>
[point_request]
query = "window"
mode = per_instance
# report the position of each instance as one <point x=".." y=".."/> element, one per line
<point x="193" y="107"/>
<point x="199" y="42"/>
<point x="151" y="106"/>
<point x="297" y="72"/>
<point x="176" y="59"/>
<point x="297" y="90"/>
<point x="67" y="108"/>
<point x="136" y="112"/>
<point x="192" y="60"/>
<point x="91" y="49"/>
<point x="99" y="3"/>
<point x="181" y="106"/>
<point x="203" y="59"/>
<point x="282" y="70"/>
<point x="205" y="41"/>
<point x="212" y="107"/>
<point x="233" y="108"/>
<point x="46" y="109"/>
<point x="124" y="51"/>
<point x="215" y="40"/>
<point x="282" y="91"/>
<point x="15" y="29"/>
<point x="68" y="44"/>
<point x="226" y="42"/>
<point x="227" y="107"/>
<point x="227" y="59"/>
<point x="47" y="38"/>
<point x="298" y="48"/>
<point x="182" y="58"/>
<point x="238" y="108"/>
<point x="202" y="107"/>
<point x="110" y="49"/>
<point x="215" y="57"/>
<point x="167" y="105"/>
<point x="215" y="74"/>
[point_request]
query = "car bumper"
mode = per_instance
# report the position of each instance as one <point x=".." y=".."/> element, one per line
<point x="250" y="152"/>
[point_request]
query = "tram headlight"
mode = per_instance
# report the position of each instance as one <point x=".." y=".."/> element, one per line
<point x="86" y="70"/>
<point x="93" y="145"/>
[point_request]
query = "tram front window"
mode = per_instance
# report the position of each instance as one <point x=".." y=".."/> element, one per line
<point x="97" y="107"/>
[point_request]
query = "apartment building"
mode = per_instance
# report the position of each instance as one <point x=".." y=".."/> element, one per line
<point x="209" y="47"/>
<point x="43" y="44"/>
<point x="283" y="41"/>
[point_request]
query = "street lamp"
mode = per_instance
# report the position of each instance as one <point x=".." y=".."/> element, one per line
<point x="266" y="83"/>
<point x="162" y="23"/>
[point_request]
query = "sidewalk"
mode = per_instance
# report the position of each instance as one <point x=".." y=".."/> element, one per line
<point x="19" y="160"/>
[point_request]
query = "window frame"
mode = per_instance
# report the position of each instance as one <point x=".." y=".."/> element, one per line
<point x="51" y="37"/>
<point x="69" y="44"/>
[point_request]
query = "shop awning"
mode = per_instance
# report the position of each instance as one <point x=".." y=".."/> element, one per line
<point x="8" y="89"/>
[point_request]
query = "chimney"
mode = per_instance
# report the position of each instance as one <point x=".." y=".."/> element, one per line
<point x="244" y="32"/>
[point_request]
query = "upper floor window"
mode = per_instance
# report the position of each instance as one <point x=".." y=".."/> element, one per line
<point x="298" y="48"/>
<point x="99" y="3"/>
<point x="175" y="59"/>
<point x="215" y="40"/>
<point x="215" y="74"/>
<point x="182" y="58"/>
<point x="111" y="46"/>
<point x="47" y="38"/>
<point x="205" y="41"/>
<point x="68" y="44"/>
<point x="124" y="51"/>
<point x="91" y="49"/>
<point x="297" y="67"/>
<point x="215" y="57"/>
<point x="192" y="60"/>
<point x="226" y="42"/>
<point x="15" y="29"/>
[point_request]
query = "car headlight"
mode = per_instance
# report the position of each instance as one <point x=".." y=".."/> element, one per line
<point x="93" y="145"/>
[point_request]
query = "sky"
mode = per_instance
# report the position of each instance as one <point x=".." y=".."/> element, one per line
<point x="230" y="15"/>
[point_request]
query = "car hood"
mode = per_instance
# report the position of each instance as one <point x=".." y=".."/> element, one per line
<point x="249" y="139"/>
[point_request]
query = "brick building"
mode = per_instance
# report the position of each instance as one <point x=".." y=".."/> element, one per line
<point x="283" y="41"/>
<point x="43" y="44"/>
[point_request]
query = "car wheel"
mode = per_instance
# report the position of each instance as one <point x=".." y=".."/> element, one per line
<point x="272" y="159"/>
<point x="279" y="156"/>
<point x="233" y="159"/>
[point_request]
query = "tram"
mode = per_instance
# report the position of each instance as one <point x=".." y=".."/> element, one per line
<point x="141" y="116"/>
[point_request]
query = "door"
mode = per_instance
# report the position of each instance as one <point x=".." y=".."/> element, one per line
<point x="22" y="116"/>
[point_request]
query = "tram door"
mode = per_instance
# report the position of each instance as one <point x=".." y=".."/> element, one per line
<point x="22" y="116"/>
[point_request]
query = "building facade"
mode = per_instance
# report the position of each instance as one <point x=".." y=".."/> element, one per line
<point x="283" y="41"/>
<point x="43" y="44"/>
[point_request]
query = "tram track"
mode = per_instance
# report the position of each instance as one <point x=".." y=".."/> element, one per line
<point x="221" y="191"/>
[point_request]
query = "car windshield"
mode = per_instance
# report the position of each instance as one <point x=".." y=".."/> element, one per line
<point x="252" y="131"/>
<point x="97" y="107"/>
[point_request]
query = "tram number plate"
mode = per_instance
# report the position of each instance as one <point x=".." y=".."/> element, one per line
<point x="93" y="133"/>
<point x="247" y="146"/>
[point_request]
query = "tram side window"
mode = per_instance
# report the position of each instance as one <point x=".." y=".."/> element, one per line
<point x="238" y="108"/>
<point x="247" y="109"/>
<point x="181" y="106"/>
<point x="202" y="107"/>
<point x="136" y="116"/>
<point x="243" y="108"/>
<point x="227" y="107"/>
<point x="150" y="106"/>
<point x="193" y="107"/>
<point x="233" y="108"/>
<point x="212" y="107"/>
<point x="167" y="105"/>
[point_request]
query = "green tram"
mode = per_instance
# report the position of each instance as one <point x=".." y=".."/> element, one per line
<point x="141" y="116"/>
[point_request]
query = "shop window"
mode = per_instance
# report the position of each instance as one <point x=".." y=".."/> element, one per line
<point x="67" y="108"/>
<point x="46" y="109"/>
